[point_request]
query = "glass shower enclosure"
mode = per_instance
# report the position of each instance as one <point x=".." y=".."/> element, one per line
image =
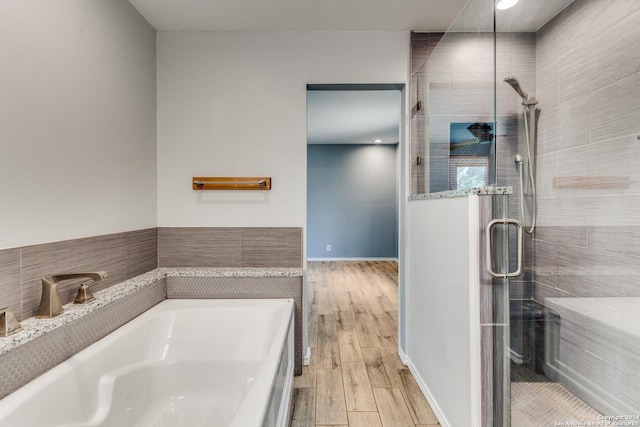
<point x="541" y="98"/>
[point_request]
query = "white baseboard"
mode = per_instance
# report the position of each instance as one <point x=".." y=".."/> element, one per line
<point x="516" y="357"/>
<point x="306" y="360"/>
<point x="354" y="259"/>
<point x="403" y="357"/>
<point x="442" y="419"/>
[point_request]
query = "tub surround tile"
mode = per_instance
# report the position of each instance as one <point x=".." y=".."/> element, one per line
<point x="142" y="251"/>
<point x="10" y="292"/>
<point x="230" y="246"/>
<point x="199" y="247"/>
<point x="122" y="255"/>
<point x="79" y="255"/>
<point x="269" y="247"/>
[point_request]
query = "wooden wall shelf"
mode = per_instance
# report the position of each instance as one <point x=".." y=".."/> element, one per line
<point x="231" y="183"/>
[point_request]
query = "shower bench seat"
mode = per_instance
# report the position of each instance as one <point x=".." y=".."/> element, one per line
<point x="593" y="348"/>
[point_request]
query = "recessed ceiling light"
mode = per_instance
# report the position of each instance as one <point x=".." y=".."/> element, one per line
<point x="377" y="141"/>
<point x="506" y="4"/>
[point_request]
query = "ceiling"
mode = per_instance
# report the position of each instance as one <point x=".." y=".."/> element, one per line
<point x="299" y="15"/>
<point x="524" y="16"/>
<point x="353" y="116"/>
<point x="345" y="15"/>
<point x="347" y="117"/>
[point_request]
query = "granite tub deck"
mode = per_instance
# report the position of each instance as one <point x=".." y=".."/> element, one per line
<point x="463" y="192"/>
<point x="44" y="343"/>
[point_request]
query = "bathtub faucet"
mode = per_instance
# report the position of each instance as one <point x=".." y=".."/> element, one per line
<point x="50" y="305"/>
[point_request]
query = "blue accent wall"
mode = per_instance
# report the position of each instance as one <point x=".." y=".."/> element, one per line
<point x="352" y="201"/>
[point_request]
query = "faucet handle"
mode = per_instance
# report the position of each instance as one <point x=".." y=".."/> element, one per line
<point x="84" y="295"/>
<point x="8" y="323"/>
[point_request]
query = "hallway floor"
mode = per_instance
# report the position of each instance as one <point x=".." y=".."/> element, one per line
<point x="356" y="378"/>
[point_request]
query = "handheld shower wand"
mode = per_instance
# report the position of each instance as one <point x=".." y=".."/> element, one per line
<point x="528" y="106"/>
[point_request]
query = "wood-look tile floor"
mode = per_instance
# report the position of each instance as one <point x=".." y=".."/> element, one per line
<point x="355" y="377"/>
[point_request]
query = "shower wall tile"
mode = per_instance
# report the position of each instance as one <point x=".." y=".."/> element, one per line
<point x="122" y="255"/>
<point x="615" y="239"/>
<point x="457" y="82"/>
<point x="547" y="89"/>
<point x="439" y="93"/>
<point x="614" y="160"/>
<point x="520" y="289"/>
<point x="10" y="292"/>
<point x="577" y="236"/>
<point x="562" y="211"/>
<point x="585" y="272"/>
<point x="573" y="123"/>
<point x="422" y="46"/>
<point x="564" y="33"/>
<point x="230" y="247"/>
<point x="541" y="292"/>
<point x="523" y="60"/>
<point x="548" y="129"/>
<point x="606" y="14"/>
<point x="614" y="52"/>
<point x="575" y="71"/>
<point x="546" y="170"/>
<point x="546" y="265"/>
<point x="621" y="211"/>
<point x="615" y="110"/>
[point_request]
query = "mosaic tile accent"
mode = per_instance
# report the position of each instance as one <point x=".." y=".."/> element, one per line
<point x="244" y="287"/>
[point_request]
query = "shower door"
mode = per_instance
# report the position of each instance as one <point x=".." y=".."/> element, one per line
<point x="467" y="146"/>
<point x="574" y="313"/>
<point x="560" y="341"/>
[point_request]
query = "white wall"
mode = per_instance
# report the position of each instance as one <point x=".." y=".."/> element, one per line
<point x="443" y="321"/>
<point x="234" y="104"/>
<point x="77" y="120"/>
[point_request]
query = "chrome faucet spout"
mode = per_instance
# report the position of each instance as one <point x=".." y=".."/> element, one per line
<point x="50" y="305"/>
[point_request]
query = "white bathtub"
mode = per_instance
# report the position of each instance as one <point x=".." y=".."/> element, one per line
<point x="182" y="363"/>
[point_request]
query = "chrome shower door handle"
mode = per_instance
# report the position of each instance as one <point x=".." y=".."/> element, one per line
<point x="489" y="251"/>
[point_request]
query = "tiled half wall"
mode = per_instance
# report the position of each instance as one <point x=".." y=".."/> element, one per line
<point x="122" y="255"/>
<point x="230" y="247"/>
<point x="128" y="254"/>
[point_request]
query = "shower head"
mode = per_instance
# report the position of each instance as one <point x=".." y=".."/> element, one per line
<point x="515" y="84"/>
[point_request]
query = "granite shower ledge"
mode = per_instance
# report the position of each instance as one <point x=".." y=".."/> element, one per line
<point x="34" y="328"/>
<point x="480" y="191"/>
